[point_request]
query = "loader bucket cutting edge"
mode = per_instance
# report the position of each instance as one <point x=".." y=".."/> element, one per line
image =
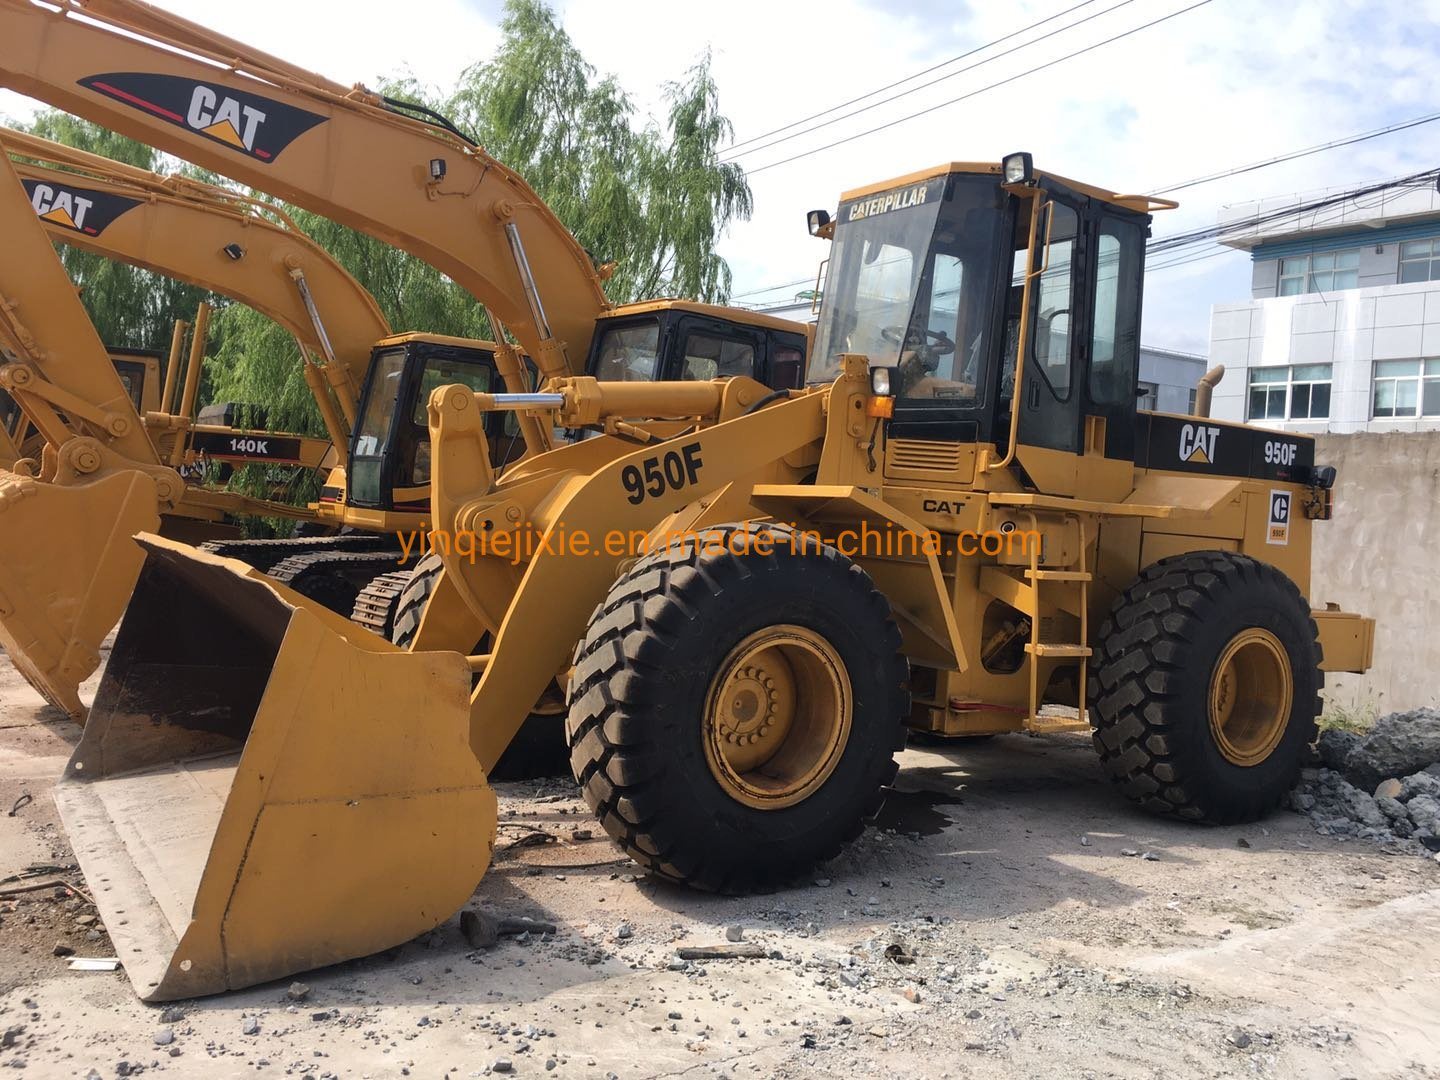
<point x="67" y="564"/>
<point x="263" y="788"/>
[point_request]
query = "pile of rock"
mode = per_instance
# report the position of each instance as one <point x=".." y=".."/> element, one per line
<point x="1382" y="786"/>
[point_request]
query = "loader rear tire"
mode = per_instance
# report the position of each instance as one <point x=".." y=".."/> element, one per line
<point x="538" y="748"/>
<point x="1204" y="687"/>
<point x="734" y="717"/>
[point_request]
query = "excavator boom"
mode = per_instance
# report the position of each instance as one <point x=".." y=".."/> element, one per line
<point x="348" y="154"/>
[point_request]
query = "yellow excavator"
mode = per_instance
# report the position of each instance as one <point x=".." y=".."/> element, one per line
<point x="961" y="519"/>
<point x="252" y="252"/>
<point x="99" y="471"/>
<point x="400" y="173"/>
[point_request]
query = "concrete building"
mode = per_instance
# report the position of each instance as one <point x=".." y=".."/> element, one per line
<point x="1342" y="331"/>
<point x="1167" y="378"/>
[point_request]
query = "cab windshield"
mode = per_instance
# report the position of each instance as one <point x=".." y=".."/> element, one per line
<point x="912" y="286"/>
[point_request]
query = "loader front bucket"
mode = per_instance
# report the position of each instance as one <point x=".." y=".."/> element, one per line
<point x="263" y="787"/>
<point x="67" y="565"/>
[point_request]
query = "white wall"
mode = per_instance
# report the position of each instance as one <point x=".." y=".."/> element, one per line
<point x="1349" y="329"/>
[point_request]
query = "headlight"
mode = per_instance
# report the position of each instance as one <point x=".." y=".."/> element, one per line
<point x="880" y="381"/>
<point x="1018" y="168"/>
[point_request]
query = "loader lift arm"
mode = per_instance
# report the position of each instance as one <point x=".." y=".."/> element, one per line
<point x="348" y="154"/>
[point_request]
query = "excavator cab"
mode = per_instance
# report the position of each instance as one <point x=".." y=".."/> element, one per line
<point x="139" y="371"/>
<point x="681" y="341"/>
<point x="390" y="448"/>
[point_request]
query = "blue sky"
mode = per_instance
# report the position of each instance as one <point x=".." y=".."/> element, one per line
<point x="1228" y="83"/>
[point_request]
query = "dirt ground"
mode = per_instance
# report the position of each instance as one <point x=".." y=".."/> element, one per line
<point x="990" y="924"/>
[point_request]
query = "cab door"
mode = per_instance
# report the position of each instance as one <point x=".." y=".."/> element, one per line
<point x="1050" y="399"/>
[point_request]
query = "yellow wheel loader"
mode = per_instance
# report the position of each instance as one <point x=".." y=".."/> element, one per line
<point x="750" y="596"/>
<point x="406" y="176"/>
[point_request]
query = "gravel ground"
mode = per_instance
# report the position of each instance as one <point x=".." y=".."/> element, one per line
<point x="1007" y="916"/>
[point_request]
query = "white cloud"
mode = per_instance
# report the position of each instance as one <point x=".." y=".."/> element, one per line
<point x="1225" y="84"/>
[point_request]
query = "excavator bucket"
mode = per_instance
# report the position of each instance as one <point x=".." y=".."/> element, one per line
<point x="67" y="562"/>
<point x="263" y="788"/>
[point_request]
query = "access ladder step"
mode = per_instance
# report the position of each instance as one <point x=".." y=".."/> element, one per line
<point x="1059" y="575"/>
<point x="1057" y="650"/>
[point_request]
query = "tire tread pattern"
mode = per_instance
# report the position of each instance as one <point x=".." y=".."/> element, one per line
<point x="1134" y="677"/>
<point x="632" y="631"/>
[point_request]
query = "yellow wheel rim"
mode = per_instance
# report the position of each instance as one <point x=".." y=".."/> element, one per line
<point x="777" y="717"/>
<point x="1251" y="692"/>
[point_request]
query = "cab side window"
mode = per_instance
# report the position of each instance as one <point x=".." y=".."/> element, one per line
<point x="787" y="367"/>
<point x="1115" y="335"/>
<point x="711" y="357"/>
<point x="629" y="354"/>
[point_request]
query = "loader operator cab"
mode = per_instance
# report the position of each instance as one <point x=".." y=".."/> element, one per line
<point x="390" y="457"/>
<point x="681" y="341"/>
<point x="928" y="279"/>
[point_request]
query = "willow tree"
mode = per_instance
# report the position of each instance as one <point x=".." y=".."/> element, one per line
<point x="651" y="197"/>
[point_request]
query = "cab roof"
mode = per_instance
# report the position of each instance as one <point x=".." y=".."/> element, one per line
<point x="735" y="315"/>
<point x="435" y="339"/>
<point x="1143" y="204"/>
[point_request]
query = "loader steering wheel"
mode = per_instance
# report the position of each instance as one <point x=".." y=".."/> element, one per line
<point x="918" y="338"/>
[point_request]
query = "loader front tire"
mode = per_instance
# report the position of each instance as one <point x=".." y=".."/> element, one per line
<point x="734" y="715"/>
<point x="1204" y="687"/>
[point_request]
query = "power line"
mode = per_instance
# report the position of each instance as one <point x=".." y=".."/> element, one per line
<point x="983" y="89"/>
<point x="1293" y="155"/>
<point x="773" y="288"/>
<point x="1214" y="232"/>
<point x="901" y="82"/>
<point x="939" y="79"/>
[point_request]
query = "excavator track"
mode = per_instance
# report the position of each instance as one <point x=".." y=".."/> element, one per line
<point x="265" y="555"/>
<point x="377" y="603"/>
<point x="335" y="578"/>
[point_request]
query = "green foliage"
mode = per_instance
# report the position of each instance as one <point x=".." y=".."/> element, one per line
<point x="1357" y="715"/>
<point x="653" y="200"/>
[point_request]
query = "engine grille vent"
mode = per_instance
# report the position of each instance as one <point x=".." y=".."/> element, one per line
<point x="924" y="454"/>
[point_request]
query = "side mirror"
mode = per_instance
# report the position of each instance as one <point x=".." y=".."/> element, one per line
<point x="817" y="220"/>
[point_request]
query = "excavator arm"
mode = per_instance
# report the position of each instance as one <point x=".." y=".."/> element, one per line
<point x="216" y="240"/>
<point x="391" y="171"/>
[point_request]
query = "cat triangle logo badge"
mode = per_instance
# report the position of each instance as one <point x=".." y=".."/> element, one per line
<point x="1197" y="444"/>
<point x="225" y="132"/>
<point x="60" y="217"/>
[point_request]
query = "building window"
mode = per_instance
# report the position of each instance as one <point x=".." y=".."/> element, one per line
<point x="1419" y="261"/>
<point x="1190" y="409"/>
<point x="1407" y="388"/>
<point x="1301" y="392"/>
<point x="1320" y="273"/>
